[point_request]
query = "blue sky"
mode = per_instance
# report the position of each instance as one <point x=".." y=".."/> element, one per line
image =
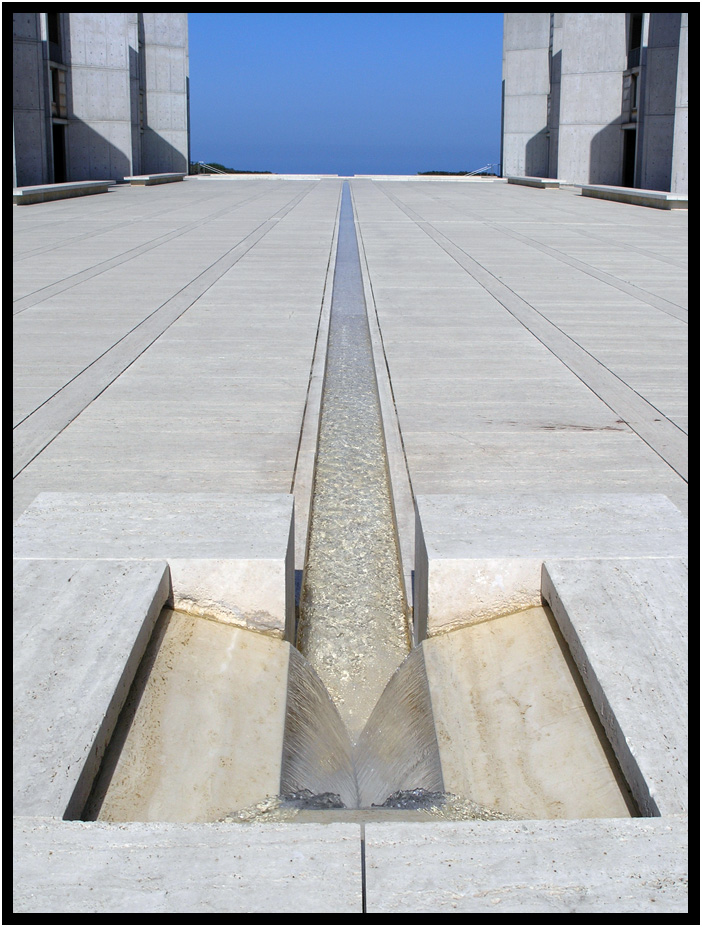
<point x="346" y="92"/>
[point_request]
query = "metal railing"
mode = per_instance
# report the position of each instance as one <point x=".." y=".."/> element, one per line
<point x="216" y="170"/>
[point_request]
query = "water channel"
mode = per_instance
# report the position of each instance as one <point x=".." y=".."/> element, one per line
<point x="487" y="721"/>
<point x="353" y="618"/>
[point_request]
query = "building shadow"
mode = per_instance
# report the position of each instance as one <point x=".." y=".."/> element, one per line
<point x="606" y="155"/>
<point x="554" y="113"/>
<point x="536" y="154"/>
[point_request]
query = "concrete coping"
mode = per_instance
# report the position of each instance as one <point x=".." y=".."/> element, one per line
<point x="543" y="183"/>
<point x="42" y="193"/>
<point x="658" y="199"/>
<point x="147" y="180"/>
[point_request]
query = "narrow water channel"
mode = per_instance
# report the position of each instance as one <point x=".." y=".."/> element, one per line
<point x="353" y="617"/>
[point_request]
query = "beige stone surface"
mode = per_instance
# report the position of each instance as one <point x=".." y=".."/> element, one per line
<point x="513" y="731"/>
<point x="207" y="732"/>
<point x="248" y="593"/>
<point x="465" y="592"/>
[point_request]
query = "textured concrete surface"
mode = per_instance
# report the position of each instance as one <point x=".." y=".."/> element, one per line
<point x="72" y="866"/>
<point x="230" y="556"/>
<point x="656" y="199"/>
<point x="23" y="196"/>
<point x="625" y="622"/>
<point x="556" y="867"/>
<point x="80" y="629"/>
<point x="149" y="180"/>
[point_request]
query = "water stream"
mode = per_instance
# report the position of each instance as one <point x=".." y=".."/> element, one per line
<point x="353" y="617"/>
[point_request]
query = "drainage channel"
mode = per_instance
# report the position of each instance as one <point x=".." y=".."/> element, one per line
<point x="353" y="617"/>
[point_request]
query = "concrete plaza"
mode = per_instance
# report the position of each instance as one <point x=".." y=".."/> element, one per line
<point x="170" y="339"/>
<point x="165" y="337"/>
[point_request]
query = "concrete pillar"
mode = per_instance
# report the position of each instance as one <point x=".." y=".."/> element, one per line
<point x="593" y="59"/>
<point x="29" y="102"/>
<point x="680" y="157"/>
<point x="554" y="100"/>
<point x="99" y="137"/>
<point x="165" y="60"/>
<point x="525" y="75"/>
<point x="658" y="118"/>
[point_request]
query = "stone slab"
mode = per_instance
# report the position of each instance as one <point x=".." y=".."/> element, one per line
<point x="230" y="556"/>
<point x="201" y="734"/>
<point x="625" y="622"/>
<point x="658" y="199"/>
<point x="544" y="183"/>
<point x="478" y="557"/>
<point x="514" y="732"/>
<point x="556" y="867"/>
<point x="43" y="193"/>
<point x="147" y="180"/>
<point x="91" y="867"/>
<point x="80" y="629"/>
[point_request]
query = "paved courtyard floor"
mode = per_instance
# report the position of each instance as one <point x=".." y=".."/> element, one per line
<point x="171" y="339"/>
<point x="164" y="336"/>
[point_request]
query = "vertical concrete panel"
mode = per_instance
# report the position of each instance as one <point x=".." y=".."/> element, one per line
<point x="525" y="72"/>
<point x="593" y="59"/>
<point x="661" y="77"/>
<point x="554" y="100"/>
<point x="680" y="157"/>
<point x="134" y="87"/>
<point x="99" y="138"/>
<point x="29" y="104"/>
<point x="165" y="58"/>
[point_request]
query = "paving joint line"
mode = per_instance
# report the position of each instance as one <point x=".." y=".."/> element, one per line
<point x="624" y="286"/>
<point x="90" y="273"/>
<point x="637" y="422"/>
<point x="76" y="404"/>
<point x="606" y="241"/>
<point x="111" y="228"/>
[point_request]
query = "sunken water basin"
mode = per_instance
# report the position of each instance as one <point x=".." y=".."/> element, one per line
<point x="221" y="721"/>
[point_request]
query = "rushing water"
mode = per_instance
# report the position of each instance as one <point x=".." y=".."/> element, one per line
<point x="353" y="620"/>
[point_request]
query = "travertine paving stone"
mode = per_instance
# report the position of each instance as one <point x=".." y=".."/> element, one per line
<point x="487" y="401"/>
<point x="80" y="629"/>
<point x="71" y="866"/>
<point x="625" y="622"/>
<point x="230" y="556"/>
<point x="556" y="867"/>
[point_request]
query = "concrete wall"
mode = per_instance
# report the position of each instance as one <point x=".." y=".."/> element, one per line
<point x="593" y="59"/>
<point x="525" y="73"/>
<point x="165" y="50"/>
<point x="658" y="118"/>
<point x="29" y="102"/>
<point x="567" y="94"/>
<point x="126" y="95"/>
<point x="680" y="143"/>
<point x="99" y="137"/>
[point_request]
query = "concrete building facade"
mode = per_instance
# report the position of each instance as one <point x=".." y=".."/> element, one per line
<point x="99" y="95"/>
<point x="596" y="98"/>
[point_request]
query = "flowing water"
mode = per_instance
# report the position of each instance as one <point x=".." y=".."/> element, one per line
<point x="353" y="621"/>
